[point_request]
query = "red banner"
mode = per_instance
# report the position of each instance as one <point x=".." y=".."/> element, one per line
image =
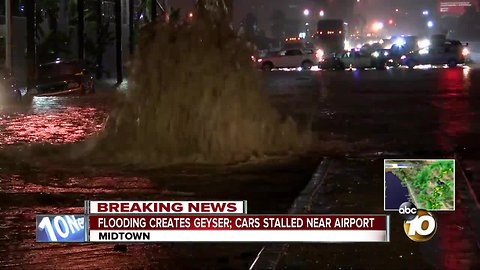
<point x="238" y="222"/>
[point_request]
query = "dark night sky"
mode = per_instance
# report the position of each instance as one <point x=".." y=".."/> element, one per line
<point x="371" y="9"/>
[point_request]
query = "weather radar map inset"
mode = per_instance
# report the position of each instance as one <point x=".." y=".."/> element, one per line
<point x="427" y="183"/>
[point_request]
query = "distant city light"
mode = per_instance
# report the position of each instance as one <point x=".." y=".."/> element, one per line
<point x="424" y="43"/>
<point x="190" y="15"/>
<point x="425" y="12"/>
<point x="396" y="10"/>
<point x="400" y="42"/>
<point x="430" y="24"/>
<point x="322" y="13"/>
<point x="302" y="35"/>
<point x="377" y="26"/>
<point x="306" y="12"/>
<point x="390" y="21"/>
<point x="423" y="51"/>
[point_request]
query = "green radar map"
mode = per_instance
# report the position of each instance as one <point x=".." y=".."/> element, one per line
<point x="430" y="183"/>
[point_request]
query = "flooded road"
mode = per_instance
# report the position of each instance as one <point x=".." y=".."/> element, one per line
<point x="352" y="112"/>
<point x="53" y="120"/>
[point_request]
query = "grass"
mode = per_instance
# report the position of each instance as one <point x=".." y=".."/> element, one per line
<point x="432" y="186"/>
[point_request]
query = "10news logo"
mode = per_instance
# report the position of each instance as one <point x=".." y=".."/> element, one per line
<point x="419" y="225"/>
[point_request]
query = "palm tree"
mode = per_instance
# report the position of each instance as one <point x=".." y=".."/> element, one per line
<point x="54" y="43"/>
<point x="94" y="21"/>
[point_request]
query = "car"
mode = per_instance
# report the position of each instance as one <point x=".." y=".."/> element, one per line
<point x="9" y="91"/>
<point x="290" y="58"/>
<point x="63" y="77"/>
<point x="354" y="59"/>
<point x="331" y="62"/>
<point x="452" y="53"/>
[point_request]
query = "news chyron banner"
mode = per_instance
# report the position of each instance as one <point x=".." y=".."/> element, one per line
<point x="205" y="221"/>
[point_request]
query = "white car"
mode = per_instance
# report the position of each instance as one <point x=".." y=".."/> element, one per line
<point x="359" y="60"/>
<point x="291" y="58"/>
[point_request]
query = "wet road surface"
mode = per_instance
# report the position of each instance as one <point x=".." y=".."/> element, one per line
<point x="355" y="185"/>
<point x="357" y="112"/>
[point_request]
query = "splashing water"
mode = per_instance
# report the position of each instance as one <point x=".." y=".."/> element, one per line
<point x="195" y="97"/>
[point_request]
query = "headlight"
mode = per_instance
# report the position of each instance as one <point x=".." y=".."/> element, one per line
<point x="72" y="85"/>
<point x="376" y="54"/>
<point x="320" y="53"/>
<point x="465" y="52"/>
<point x="400" y="42"/>
<point x="423" y="51"/>
<point x="424" y="43"/>
<point x="260" y="60"/>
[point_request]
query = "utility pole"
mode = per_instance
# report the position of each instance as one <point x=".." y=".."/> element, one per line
<point x="153" y="7"/>
<point x="81" y="29"/>
<point x="131" y="26"/>
<point x="31" y="57"/>
<point x="118" y="40"/>
<point x="99" y="22"/>
<point x="8" y="41"/>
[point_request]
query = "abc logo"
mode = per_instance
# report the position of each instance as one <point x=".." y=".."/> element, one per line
<point x="407" y="210"/>
<point x="419" y="225"/>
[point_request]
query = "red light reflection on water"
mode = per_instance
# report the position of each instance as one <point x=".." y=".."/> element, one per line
<point x="455" y="113"/>
<point x="456" y="240"/>
<point x="75" y="184"/>
<point x="66" y="126"/>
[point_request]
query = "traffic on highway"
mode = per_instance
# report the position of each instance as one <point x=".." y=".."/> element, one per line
<point x="329" y="48"/>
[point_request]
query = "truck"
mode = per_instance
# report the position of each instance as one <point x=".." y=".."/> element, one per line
<point x="330" y="37"/>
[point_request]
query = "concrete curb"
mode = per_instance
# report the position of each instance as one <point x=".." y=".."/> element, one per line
<point x="472" y="203"/>
<point x="270" y="255"/>
<point x="469" y="186"/>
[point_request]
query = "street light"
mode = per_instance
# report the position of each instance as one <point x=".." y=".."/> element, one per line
<point x="430" y="24"/>
<point x="322" y="13"/>
<point x="306" y="12"/>
<point x="377" y="26"/>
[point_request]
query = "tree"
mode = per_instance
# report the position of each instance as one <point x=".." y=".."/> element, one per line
<point x="278" y="24"/>
<point x="54" y="43"/>
<point x="96" y="46"/>
<point x="250" y="26"/>
<point x="50" y="9"/>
